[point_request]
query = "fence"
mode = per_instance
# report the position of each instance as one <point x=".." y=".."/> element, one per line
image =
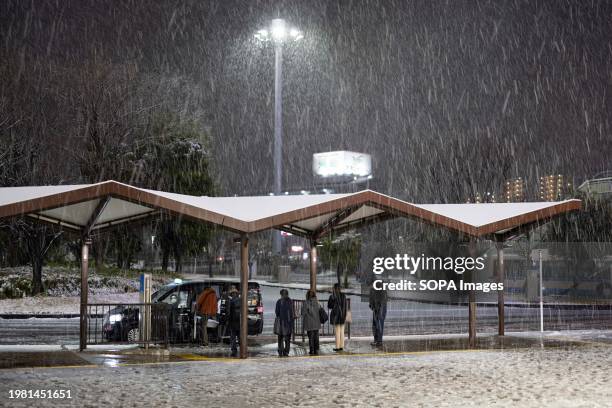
<point x="326" y="328"/>
<point x="122" y="323"/>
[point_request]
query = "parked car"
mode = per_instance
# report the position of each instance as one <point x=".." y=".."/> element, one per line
<point x="121" y="323"/>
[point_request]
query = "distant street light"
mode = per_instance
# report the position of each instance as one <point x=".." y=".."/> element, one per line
<point x="278" y="33"/>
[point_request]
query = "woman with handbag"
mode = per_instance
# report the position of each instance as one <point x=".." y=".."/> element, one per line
<point x="337" y="305"/>
<point x="311" y="321"/>
<point x="283" y="324"/>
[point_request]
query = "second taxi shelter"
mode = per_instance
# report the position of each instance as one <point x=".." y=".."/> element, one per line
<point x="92" y="209"/>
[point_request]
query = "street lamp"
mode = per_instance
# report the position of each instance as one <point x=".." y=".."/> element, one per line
<point x="279" y="32"/>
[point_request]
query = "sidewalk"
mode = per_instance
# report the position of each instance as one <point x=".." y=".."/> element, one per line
<point x="265" y="348"/>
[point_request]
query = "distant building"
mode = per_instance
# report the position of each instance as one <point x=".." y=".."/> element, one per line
<point x="600" y="184"/>
<point x="478" y="198"/>
<point x="554" y="187"/>
<point x="514" y="190"/>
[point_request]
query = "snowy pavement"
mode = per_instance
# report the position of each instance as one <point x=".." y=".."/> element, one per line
<point x="533" y="377"/>
<point x="60" y="305"/>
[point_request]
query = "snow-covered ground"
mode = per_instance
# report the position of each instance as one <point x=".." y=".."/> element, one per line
<point x="63" y="290"/>
<point x="60" y="305"/>
<point x="534" y="377"/>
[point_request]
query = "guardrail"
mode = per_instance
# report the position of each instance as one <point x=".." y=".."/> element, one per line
<point x="123" y="323"/>
<point x="326" y="328"/>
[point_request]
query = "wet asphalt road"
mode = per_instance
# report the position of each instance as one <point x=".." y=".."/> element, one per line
<point x="402" y="318"/>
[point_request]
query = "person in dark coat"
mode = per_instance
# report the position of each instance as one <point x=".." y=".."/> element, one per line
<point x="378" y="305"/>
<point x="234" y="320"/>
<point x="284" y="322"/>
<point x="223" y="308"/>
<point x="337" y="316"/>
<point x="311" y="321"/>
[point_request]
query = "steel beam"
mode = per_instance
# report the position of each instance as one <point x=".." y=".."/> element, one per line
<point x="472" y="319"/>
<point x="334" y="221"/>
<point x="500" y="293"/>
<point x="95" y="215"/>
<point x="244" y="295"/>
<point x="313" y="265"/>
<point x="472" y="301"/>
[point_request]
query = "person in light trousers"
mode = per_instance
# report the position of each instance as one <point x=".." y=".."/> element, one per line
<point x="338" y="306"/>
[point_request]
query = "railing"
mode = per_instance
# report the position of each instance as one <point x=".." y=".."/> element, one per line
<point x="124" y="323"/>
<point x="327" y="329"/>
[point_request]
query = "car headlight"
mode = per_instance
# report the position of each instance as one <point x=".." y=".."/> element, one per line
<point x="114" y="318"/>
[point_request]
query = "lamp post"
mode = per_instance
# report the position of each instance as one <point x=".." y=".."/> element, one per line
<point x="278" y="33"/>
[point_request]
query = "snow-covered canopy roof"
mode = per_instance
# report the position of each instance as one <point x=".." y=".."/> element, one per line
<point x="95" y="207"/>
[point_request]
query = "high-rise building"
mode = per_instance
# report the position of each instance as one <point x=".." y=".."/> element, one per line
<point x="554" y="187"/>
<point x="478" y="198"/>
<point x="514" y="190"/>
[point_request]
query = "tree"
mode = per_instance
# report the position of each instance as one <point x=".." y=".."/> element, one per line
<point x="175" y="158"/>
<point x="214" y="247"/>
<point x="29" y="120"/>
<point x="130" y="137"/>
<point x="343" y="253"/>
<point x="108" y="116"/>
<point x="36" y="240"/>
<point x="125" y="244"/>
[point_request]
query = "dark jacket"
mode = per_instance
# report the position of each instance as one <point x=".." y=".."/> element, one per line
<point x="224" y="308"/>
<point x="234" y="312"/>
<point x="285" y="315"/>
<point x="378" y="298"/>
<point x="310" y="315"/>
<point x="337" y="306"/>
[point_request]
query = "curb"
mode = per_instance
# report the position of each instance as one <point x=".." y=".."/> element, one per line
<point x="45" y="316"/>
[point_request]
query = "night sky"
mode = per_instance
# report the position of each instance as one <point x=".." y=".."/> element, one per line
<point x="449" y="97"/>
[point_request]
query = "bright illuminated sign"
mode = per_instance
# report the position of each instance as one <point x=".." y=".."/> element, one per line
<point x="342" y="164"/>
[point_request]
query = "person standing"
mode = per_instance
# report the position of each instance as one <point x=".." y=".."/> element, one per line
<point x="311" y="321"/>
<point x="338" y="309"/>
<point x="378" y="305"/>
<point x="223" y="310"/>
<point x="234" y="319"/>
<point x="206" y="306"/>
<point x="283" y="325"/>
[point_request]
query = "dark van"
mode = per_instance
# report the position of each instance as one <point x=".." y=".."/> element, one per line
<point x="121" y="324"/>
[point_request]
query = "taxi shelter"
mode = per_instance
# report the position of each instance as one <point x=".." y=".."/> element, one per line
<point x="92" y="209"/>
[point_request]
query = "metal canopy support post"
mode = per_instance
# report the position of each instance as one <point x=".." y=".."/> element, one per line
<point x="84" y="289"/>
<point x="86" y="243"/>
<point x="472" y="319"/>
<point x="244" y="294"/>
<point x="541" y="295"/>
<point x="472" y="302"/>
<point x="313" y="265"/>
<point x="499" y="244"/>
